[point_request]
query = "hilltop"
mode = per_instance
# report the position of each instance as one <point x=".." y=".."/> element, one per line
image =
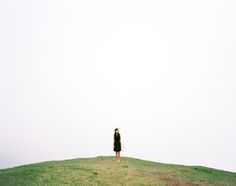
<point x="103" y="170"/>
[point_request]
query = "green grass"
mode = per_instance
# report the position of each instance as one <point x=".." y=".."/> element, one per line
<point x="103" y="170"/>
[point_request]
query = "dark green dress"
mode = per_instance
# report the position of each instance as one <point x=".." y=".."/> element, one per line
<point x="117" y="144"/>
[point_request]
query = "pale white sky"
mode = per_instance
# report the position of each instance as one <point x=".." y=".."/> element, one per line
<point x="163" y="72"/>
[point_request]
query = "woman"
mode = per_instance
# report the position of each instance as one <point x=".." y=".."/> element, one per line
<point x="117" y="144"/>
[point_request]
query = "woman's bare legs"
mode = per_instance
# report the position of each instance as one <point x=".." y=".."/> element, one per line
<point x="118" y="155"/>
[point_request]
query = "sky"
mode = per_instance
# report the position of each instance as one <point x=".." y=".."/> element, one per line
<point x="163" y="72"/>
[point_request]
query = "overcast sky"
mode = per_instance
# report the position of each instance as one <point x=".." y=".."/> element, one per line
<point x="163" y="72"/>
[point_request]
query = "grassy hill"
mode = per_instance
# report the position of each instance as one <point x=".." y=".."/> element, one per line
<point x="103" y="170"/>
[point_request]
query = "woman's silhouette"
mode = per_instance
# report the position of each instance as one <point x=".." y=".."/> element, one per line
<point x="117" y="144"/>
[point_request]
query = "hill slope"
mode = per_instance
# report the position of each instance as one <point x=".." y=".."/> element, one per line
<point x="103" y="170"/>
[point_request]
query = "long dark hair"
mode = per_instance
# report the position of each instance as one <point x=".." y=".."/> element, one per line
<point x="116" y="134"/>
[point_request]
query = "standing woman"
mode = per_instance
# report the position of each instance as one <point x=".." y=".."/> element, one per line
<point x="117" y="144"/>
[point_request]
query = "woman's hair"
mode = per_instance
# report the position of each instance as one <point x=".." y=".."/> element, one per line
<point x="116" y="134"/>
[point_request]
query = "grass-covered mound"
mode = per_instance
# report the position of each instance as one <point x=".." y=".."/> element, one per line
<point x="104" y="170"/>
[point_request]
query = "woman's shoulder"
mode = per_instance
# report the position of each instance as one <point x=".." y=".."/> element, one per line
<point x="117" y="135"/>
